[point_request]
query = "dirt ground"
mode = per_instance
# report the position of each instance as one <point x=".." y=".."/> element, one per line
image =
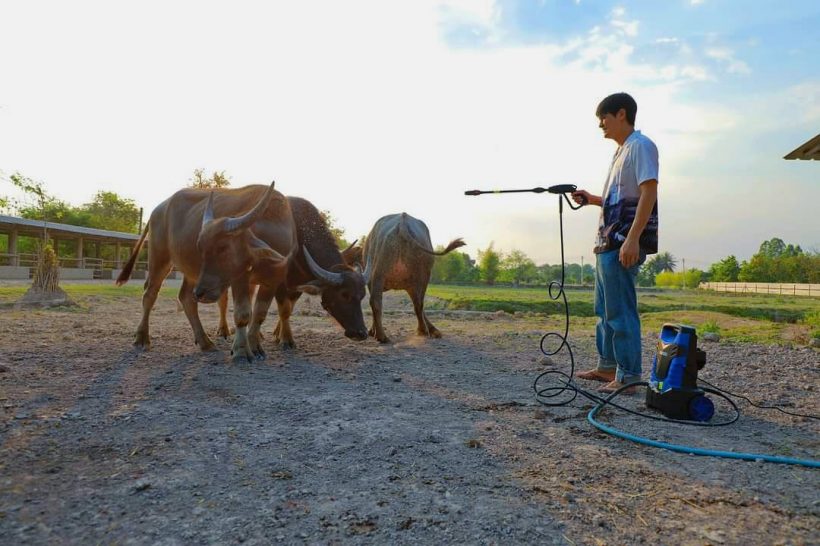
<point x="343" y="442"/>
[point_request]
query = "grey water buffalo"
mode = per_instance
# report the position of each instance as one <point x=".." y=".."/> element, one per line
<point x="217" y="239"/>
<point x="399" y="255"/>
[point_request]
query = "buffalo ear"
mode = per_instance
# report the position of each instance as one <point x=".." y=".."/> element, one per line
<point x="313" y="288"/>
<point x="264" y="254"/>
<point x="267" y="257"/>
<point x="352" y="255"/>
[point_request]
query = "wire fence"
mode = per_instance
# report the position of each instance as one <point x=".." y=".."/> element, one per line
<point x="784" y="289"/>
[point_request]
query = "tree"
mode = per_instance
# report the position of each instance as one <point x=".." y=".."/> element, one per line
<point x="217" y="180"/>
<point x="776" y="261"/>
<point x="453" y="267"/>
<point x="518" y="267"/>
<point x="547" y="273"/>
<point x="112" y="212"/>
<point x="663" y="261"/>
<point x="646" y="274"/>
<point x="35" y="189"/>
<point x="659" y="263"/>
<point x="338" y="233"/>
<point x="726" y="270"/>
<point x="45" y="289"/>
<point x="488" y="264"/>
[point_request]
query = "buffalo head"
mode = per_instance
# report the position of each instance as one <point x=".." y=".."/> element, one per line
<point x="229" y="249"/>
<point x="342" y="289"/>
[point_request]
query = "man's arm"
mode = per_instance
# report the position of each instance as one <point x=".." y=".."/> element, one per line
<point x="578" y="197"/>
<point x="630" y="251"/>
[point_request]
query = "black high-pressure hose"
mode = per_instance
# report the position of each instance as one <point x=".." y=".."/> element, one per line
<point x="563" y="382"/>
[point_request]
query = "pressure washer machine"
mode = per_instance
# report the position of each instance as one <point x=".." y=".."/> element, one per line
<point x="673" y="383"/>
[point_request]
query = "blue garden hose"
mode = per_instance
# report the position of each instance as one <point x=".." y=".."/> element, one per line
<point x="545" y="394"/>
<point x="690" y="449"/>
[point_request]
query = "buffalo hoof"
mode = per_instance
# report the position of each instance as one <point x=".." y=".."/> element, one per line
<point x="383" y="339"/>
<point x="259" y="353"/>
<point x="433" y="333"/>
<point x="288" y="345"/>
<point x="223" y="332"/>
<point x="142" y="342"/>
<point x="206" y="346"/>
<point x="242" y="356"/>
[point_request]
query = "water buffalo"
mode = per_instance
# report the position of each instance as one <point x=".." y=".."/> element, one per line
<point x="320" y="269"/>
<point x="399" y="255"/>
<point x="341" y="285"/>
<point x="207" y="236"/>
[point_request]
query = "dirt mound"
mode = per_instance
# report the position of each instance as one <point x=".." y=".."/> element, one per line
<point x="35" y="297"/>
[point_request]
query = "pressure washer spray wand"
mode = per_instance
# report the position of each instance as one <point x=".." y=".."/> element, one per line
<point x="556" y="292"/>
<point x="560" y="189"/>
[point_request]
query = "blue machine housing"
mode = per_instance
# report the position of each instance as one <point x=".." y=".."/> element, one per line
<point x="673" y="381"/>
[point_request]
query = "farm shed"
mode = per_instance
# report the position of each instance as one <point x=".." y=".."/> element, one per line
<point x="84" y="253"/>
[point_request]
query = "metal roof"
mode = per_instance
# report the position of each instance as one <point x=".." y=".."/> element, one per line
<point x="34" y="225"/>
<point x="809" y="150"/>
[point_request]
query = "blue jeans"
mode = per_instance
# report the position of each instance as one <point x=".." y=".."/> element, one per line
<point x="618" y="333"/>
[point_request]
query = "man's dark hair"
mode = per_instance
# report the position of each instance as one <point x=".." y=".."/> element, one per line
<point x="613" y="103"/>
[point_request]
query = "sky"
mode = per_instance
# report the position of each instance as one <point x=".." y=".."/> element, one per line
<point x="369" y="108"/>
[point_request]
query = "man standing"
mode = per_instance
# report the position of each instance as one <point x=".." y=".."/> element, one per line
<point x="627" y="232"/>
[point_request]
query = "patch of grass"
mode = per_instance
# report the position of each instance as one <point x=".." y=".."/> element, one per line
<point x="759" y="318"/>
<point x="778" y="308"/>
<point x="709" y="326"/>
<point x="78" y="292"/>
<point x="812" y="320"/>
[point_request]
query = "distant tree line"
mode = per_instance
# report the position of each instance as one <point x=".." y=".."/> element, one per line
<point x="496" y="267"/>
<point x="775" y="262"/>
<point x="106" y="210"/>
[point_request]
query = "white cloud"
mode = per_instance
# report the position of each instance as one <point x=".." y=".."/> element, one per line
<point x="629" y="28"/>
<point x="727" y="58"/>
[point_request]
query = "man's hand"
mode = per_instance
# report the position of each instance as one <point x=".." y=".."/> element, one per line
<point x="630" y="253"/>
<point x="583" y="197"/>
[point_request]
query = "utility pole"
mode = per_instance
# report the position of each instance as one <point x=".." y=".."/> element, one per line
<point x="582" y="271"/>
<point x="684" y="272"/>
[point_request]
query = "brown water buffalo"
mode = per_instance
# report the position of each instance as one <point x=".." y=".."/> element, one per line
<point x="207" y="236"/>
<point x="340" y="285"/>
<point x="320" y="269"/>
<point x="399" y="255"/>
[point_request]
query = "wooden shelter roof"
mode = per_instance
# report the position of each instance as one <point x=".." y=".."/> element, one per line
<point x="35" y="227"/>
<point x="808" y="150"/>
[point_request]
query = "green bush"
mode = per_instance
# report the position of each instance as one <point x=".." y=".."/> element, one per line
<point x="813" y="319"/>
<point x="709" y="326"/>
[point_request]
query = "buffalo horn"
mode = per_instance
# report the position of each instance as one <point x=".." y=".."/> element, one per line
<point x="208" y="215"/>
<point x="351" y="245"/>
<point x="328" y="276"/>
<point x="245" y="221"/>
